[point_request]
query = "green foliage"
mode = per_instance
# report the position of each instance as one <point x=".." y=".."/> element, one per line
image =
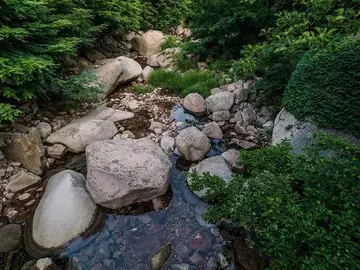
<point x="165" y="14"/>
<point x="302" y="210"/>
<point x="325" y="87"/>
<point x="142" y="89"/>
<point x="8" y="112"/>
<point x="306" y="24"/>
<point x="185" y="83"/>
<point x="170" y="42"/>
<point x="222" y="28"/>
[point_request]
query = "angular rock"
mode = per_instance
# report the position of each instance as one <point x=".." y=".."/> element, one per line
<point x="65" y="211"/>
<point x="149" y="43"/>
<point x="57" y="151"/>
<point x="45" y="264"/>
<point x="195" y="104"/>
<point x="268" y="126"/>
<point x="44" y="129"/>
<point x="152" y="61"/>
<point x="212" y="130"/>
<point x="22" y="180"/>
<point x="214" y="166"/>
<point x="156" y="125"/>
<point x="113" y="72"/>
<point x="240" y="129"/>
<point x="123" y="172"/>
<point x="95" y="126"/>
<point x="246" y="145"/>
<point x="231" y="157"/>
<point x="248" y="116"/>
<point x="146" y="73"/>
<point x="192" y="144"/>
<point x="241" y="94"/>
<point x="10" y="237"/>
<point x="216" y="90"/>
<point x="221" y="116"/>
<point x="28" y="150"/>
<point x="166" y="58"/>
<point x="222" y="101"/>
<point x="167" y="144"/>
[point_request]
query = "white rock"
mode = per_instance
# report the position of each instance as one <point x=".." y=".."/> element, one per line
<point x="212" y="130"/>
<point x="146" y="73"/>
<point x="222" y="101"/>
<point x="65" y="211"/>
<point x="192" y="144"/>
<point x="149" y="43"/>
<point x="44" y="129"/>
<point x="152" y="61"/>
<point x="167" y="144"/>
<point x="46" y="264"/>
<point x="215" y="166"/>
<point x="21" y="180"/>
<point x="123" y="172"/>
<point x="133" y="105"/>
<point x="114" y="72"/>
<point x="195" y="104"/>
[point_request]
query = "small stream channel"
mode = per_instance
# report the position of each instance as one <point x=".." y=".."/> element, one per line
<point x="129" y="242"/>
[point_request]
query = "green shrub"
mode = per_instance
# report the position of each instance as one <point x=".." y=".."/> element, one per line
<point x="8" y="112"/>
<point x="301" y="210"/>
<point x="170" y="42"/>
<point x="325" y="87"/>
<point x="142" y="89"/>
<point x="305" y="25"/>
<point x="185" y="83"/>
<point x="223" y="27"/>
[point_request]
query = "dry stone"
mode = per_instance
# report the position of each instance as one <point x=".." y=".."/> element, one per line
<point x="123" y="172"/>
<point x="213" y="131"/>
<point x="149" y="43"/>
<point x="195" y="104"/>
<point x="22" y="180"/>
<point x="222" y="101"/>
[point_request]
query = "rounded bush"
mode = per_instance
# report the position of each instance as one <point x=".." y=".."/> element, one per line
<point x="325" y="88"/>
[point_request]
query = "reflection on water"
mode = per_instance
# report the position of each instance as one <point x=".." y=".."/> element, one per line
<point x="129" y="242"/>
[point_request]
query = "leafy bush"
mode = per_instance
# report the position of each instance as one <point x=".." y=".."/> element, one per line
<point x="307" y="24"/>
<point x="8" y="112"/>
<point x="222" y="28"/>
<point x="165" y="14"/>
<point x="170" y="42"/>
<point x="326" y="87"/>
<point x="301" y="210"/>
<point x="142" y="89"/>
<point x="185" y="83"/>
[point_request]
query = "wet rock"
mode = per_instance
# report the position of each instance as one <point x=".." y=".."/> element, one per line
<point x="201" y="240"/>
<point x="146" y="73"/>
<point x="22" y="180"/>
<point x="195" y="104"/>
<point x="222" y="101"/>
<point x="197" y="259"/>
<point x="28" y="150"/>
<point x="65" y="211"/>
<point x="182" y="266"/>
<point x="57" y="151"/>
<point x="149" y="43"/>
<point x="114" y="72"/>
<point x="212" y="130"/>
<point x="29" y="264"/>
<point x="77" y="163"/>
<point x="192" y="144"/>
<point x="221" y="116"/>
<point x="10" y="237"/>
<point x="44" y="129"/>
<point x="214" y="166"/>
<point x="95" y="126"/>
<point x="182" y="250"/>
<point x="45" y="264"/>
<point x="122" y="172"/>
<point x="222" y="260"/>
<point x="160" y="258"/>
<point x="167" y="144"/>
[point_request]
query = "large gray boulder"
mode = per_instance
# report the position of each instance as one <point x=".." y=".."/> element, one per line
<point x="222" y="101"/>
<point x="123" y="172"/>
<point x="95" y="126"/>
<point x="215" y="166"/>
<point x="111" y="73"/>
<point x="26" y="149"/>
<point x="195" y="104"/>
<point x="65" y="211"/>
<point x="299" y="133"/>
<point x="192" y="144"/>
<point x="149" y="43"/>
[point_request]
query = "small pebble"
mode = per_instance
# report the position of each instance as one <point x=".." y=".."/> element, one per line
<point x="24" y="197"/>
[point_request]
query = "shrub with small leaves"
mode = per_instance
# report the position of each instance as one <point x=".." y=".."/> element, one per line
<point x="8" y="112"/>
<point x="325" y="87"/>
<point x="302" y="211"/>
